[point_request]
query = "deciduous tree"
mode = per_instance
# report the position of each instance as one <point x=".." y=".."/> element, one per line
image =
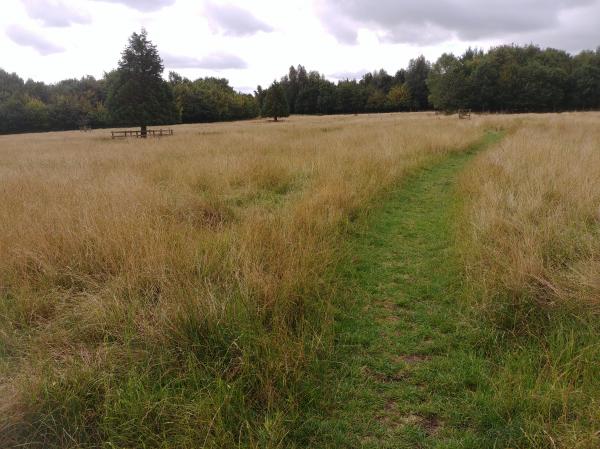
<point x="416" y="81"/>
<point x="275" y="104"/>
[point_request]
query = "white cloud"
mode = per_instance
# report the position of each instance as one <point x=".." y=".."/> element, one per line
<point x="434" y="21"/>
<point x="143" y="5"/>
<point x="233" y="20"/>
<point x="215" y="61"/>
<point x="351" y="74"/>
<point x="56" y="13"/>
<point x="27" y="38"/>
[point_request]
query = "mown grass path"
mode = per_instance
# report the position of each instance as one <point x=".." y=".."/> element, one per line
<point x="407" y="374"/>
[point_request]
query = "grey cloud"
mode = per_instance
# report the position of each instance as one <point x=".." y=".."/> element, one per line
<point x="234" y="20"/>
<point x="578" y="31"/>
<point x="28" y="38"/>
<point x="55" y="13"/>
<point x="215" y="61"/>
<point x="431" y="21"/>
<point x="143" y="5"/>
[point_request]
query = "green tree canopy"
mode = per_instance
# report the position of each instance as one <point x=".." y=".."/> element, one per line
<point x="138" y="95"/>
<point x="211" y="100"/>
<point x="398" y="98"/>
<point x="511" y="78"/>
<point x="275" y="104"/>
<point x="416" y="81"/>
<point x="448" y="83"/>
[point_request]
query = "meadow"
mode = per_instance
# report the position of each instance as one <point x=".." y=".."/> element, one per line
<point x="531" y="252"/>
<point x="183" y="292"/>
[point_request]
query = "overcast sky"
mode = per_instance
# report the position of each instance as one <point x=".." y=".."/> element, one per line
<point x="254" y="42"/>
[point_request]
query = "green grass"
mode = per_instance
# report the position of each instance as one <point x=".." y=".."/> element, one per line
<point x="406" y="372"/>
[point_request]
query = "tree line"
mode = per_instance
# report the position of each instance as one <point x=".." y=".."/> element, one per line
<point x="134" y="94"/>
<point x="516" y="79"/>
<point x="311" y="93"/>
<point x="35" y="106"/>
<point x="507" y="78"/>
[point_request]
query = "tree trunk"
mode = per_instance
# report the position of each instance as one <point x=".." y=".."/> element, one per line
<point x="275" y="118"/>
<point x="144" y="131"/>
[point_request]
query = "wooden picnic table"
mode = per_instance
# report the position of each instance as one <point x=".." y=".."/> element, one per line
<point x="138" y="134"/>
<point x="464" y="114"/>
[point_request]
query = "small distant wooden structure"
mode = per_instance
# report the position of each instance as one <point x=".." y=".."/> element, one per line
<point x="464" y="114"/>
<point x="138" y="134"/>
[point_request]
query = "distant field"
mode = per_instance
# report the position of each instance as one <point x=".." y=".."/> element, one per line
<point x="180" y="292"/>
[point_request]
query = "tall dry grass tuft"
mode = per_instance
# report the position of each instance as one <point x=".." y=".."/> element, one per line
<point x="177" y="291"/>
<point x="533" y="214"/>
<point x="531" y="243"/>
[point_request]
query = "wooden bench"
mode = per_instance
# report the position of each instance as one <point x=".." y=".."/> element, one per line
<point x="464" y="114"/>
<point x="138" y="134"/>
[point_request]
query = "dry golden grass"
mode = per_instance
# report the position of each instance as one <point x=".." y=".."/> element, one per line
<point x="166" y="292"/>
<point x="534" y="212"/>
<point x="532" y="252"/>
